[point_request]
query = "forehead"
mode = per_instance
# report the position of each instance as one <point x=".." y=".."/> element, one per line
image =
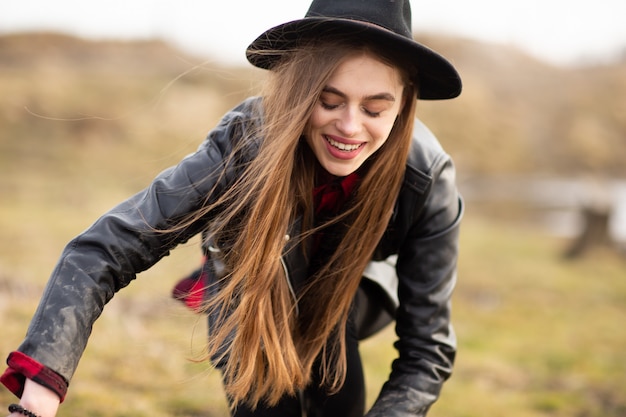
<point x="367" y="74"/>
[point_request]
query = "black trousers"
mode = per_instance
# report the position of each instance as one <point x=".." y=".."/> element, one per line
<point x="368" y="315"/>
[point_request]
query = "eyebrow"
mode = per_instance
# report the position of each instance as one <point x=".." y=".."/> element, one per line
<point x="379" y="96"/>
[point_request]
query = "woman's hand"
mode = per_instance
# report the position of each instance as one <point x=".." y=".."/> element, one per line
<point x="38" y="399"/>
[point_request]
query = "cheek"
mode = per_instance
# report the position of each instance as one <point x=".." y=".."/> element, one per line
<point x="383" y="130"/>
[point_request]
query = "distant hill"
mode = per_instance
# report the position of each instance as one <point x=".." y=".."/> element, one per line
<point x="521" y="115"/>
<point x="118" y="112"/>
<point x="516" y="114"/>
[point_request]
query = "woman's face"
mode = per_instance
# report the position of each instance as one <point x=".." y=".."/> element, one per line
<point x="354" y="114"/>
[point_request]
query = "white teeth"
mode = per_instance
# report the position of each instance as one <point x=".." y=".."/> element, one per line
<point x="342" y="146"/>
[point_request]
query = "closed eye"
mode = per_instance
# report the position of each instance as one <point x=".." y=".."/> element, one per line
<point x="371" y="113"/>
<point x="328" y="106"/>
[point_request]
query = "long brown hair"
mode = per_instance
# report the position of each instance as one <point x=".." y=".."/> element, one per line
<point x="271" y="341"/>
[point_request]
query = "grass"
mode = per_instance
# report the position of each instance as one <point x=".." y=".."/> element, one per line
<point x="538" y="336"/>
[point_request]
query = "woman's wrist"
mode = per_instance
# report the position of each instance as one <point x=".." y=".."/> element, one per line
<point x="38" y="400"/>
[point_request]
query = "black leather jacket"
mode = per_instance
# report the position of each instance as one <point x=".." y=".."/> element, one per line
<point x="423" y="233"/>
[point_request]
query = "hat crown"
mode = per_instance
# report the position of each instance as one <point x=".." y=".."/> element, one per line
<point x="394" y="15"/>
<point x="385" y="23"/>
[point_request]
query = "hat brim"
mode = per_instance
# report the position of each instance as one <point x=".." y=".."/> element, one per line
<point x="435" y="76"/>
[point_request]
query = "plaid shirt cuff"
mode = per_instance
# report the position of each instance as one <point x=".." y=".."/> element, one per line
<point x="22" y="366"/>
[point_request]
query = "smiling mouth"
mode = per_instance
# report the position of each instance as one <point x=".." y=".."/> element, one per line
<point x="344" y="147"/>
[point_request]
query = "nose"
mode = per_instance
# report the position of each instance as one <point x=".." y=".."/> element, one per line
<point x="349" y="123"/>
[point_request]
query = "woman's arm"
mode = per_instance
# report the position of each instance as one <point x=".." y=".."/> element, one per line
<point x="426" y="270"/>
<point x="125" y="241"/>
<point x="107" y="257"/>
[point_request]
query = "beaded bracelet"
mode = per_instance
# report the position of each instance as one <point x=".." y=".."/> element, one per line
<point x="16" y="408"/>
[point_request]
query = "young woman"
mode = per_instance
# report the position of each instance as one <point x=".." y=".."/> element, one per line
<point x="327" y="210"/>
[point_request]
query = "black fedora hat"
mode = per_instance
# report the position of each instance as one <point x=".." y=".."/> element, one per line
<point x="384" y="22"/>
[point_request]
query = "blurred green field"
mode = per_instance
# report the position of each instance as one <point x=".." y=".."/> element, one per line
<point x="538" y="335"/>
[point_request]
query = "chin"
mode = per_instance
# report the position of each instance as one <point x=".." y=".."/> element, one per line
<point x="340" y="171"/>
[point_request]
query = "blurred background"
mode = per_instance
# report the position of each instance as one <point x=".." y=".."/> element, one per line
<point x="98" y="97"/>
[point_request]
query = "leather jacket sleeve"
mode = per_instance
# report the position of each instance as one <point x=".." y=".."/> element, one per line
<point x="426" y="269"/>
<point x="123" y="242"/>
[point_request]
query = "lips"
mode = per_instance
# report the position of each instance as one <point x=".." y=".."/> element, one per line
<point x="344" y="147"/>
